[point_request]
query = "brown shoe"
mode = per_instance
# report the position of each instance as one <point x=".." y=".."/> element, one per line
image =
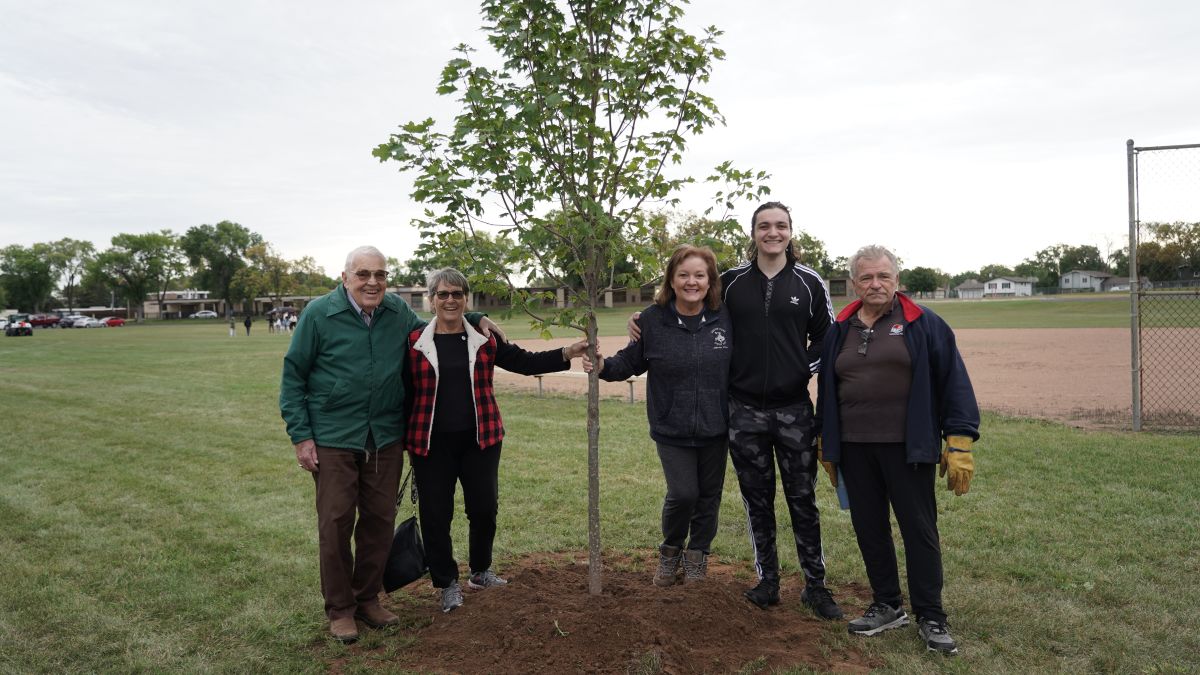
<point x="668" y="566"/>
<point x="695" y="566"/>
<point x="344" y="630"/>
<point x="376" y="616"/>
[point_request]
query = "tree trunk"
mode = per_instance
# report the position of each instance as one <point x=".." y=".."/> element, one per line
<point x="593" y="431"/>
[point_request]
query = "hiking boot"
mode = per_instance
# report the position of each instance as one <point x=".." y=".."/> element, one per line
<point x="344" y="630"/>
<point x="451" y="597"/>
<point x="820" y="600"/>
<point x="765" y="594"/>
<point x="668" y="565"/>
<point x="695" y="566"/>
<point x="485" y="579"/>
<point x="878" y="618"/>
<point x="936" y="635"/>
<point x="376" y="616"/>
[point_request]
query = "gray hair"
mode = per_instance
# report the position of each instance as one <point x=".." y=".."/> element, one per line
<point x="361" y="251"/>
<point x="872" y="252"/>
<point x="448" y="276"/>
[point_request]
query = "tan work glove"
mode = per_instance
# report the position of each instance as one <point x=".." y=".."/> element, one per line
<point x="958" y="462"/>
<point x="830" y="467"/>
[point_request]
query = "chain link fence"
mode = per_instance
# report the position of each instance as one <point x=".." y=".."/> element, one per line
<point x="1164" y="236"/>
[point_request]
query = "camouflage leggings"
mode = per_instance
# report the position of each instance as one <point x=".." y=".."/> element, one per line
<point x="757" y="439"/>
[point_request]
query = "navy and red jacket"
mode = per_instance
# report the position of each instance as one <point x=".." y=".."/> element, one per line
<point x="941" y="401"/>
<point x="483" y="355"/>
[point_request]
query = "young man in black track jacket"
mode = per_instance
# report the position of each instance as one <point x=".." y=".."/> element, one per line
<point x="781" y="312"/>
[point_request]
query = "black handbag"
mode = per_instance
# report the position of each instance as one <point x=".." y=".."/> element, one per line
<point x="406" y="561"/>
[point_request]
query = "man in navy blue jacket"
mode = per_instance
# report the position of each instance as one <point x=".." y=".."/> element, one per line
<point x="892" y="386"/>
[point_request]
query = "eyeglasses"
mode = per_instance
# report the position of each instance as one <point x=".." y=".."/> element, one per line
<point x="365" y="275"/>
<point x="457" y="295"/>
<point x="865" y="334"/>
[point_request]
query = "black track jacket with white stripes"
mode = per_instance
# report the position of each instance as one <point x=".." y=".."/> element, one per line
<point x="779" y="328"/>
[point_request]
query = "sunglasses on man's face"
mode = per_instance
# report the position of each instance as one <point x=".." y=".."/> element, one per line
<point x="457" y="295"/>
<point x="365" y="275"/>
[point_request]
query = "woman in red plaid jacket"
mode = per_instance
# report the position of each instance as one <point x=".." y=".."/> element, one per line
<point x="454" y="431"/>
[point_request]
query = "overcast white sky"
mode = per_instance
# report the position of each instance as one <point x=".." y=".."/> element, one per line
<point x="959" y="133"/>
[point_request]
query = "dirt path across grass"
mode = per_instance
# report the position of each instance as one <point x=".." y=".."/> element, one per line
<point x="1078" y="375"/>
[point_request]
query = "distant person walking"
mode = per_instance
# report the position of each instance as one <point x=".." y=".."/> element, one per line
<point x="247" y="322"/>
<point x="232" y="328"/>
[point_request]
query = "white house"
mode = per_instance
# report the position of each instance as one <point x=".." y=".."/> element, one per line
<point x="1084" y="280"/>
<point x="970" y="289"/>
<point x="1009" y="287"/>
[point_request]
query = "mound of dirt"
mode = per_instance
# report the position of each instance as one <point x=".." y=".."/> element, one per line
<point x="544" y="621"/>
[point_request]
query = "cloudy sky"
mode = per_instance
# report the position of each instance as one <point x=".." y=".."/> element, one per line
<point x="958" y="132"/>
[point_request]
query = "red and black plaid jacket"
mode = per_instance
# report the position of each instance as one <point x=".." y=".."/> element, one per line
<point x="484" y="355"/>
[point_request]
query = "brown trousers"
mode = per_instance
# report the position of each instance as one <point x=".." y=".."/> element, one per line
<point x="348" y="482"/>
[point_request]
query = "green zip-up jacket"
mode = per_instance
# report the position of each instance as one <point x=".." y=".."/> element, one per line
<point x="342" y="379"/>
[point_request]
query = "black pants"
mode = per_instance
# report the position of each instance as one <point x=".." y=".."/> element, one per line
<point x="695" y="477"/>
<point x="877" y="475"/>
<point x="456" y="458"/>
<point x="758" y="438"/>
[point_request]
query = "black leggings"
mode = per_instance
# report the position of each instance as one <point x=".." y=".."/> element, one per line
<point x="456" y="458"/>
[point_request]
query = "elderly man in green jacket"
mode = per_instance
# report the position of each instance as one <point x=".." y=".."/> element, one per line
<point x="342" y="397"/>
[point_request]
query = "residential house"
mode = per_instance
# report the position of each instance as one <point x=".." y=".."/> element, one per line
<point x="1084" y="280"/>
<point x="970" y="289"/>
<point x="1009" y="287"/>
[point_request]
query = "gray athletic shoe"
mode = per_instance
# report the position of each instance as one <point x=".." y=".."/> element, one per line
<point x="878" y="618"/>
<point x="485" y="579"/>
<point x="936" y="635"/>
<point x="452" y="597"/>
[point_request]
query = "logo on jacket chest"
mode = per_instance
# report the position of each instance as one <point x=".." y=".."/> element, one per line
<point x="897" y="329"/>
<point x="720" y="339"/>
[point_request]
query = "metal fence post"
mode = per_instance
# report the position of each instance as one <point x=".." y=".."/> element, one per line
<point x="1135" y="361"/>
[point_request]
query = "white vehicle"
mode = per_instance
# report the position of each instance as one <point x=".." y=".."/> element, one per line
<point x="3" y="323"/>
<point x="204" y="314"/>
<point x="90" y="322"/>
<point x="73" y="321"/>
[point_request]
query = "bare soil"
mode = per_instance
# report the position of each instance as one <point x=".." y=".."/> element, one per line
<point x="544" y="621"/>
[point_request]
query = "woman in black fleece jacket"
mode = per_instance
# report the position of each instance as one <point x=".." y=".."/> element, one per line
<point x="685" y="344"/>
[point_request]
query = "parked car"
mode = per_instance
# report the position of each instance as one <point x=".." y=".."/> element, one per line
<point x="18" y="327"/>
<point x="3" y="323"/>
<point x="113" y="321"/>
<point x="90" y="322"/>
<point x="76" y="321"/>
<point x="44" y="320"/>
<point x="204" y="314"/>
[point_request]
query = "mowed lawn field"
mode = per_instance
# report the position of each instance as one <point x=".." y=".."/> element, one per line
<point x="152" y="518"/>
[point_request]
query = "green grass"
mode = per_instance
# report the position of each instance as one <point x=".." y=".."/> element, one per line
<point x="153" y="519"/>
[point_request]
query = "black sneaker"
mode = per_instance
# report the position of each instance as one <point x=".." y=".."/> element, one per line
<point x="820" y="600"/>
<point x="878" y="618"/>
<point x="936" y="635"/>
<point x="765" y="594"/>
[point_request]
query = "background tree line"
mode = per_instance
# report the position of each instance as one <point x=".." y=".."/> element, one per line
<point x="226" y="259"/>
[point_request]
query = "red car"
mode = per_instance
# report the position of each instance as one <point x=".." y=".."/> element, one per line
<point x="45" y="320"/>
<point x="113" y="321"/>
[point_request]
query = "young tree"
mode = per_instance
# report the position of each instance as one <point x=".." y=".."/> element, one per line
<point x="561" y="146"/>
<point x="218" y="252"/>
